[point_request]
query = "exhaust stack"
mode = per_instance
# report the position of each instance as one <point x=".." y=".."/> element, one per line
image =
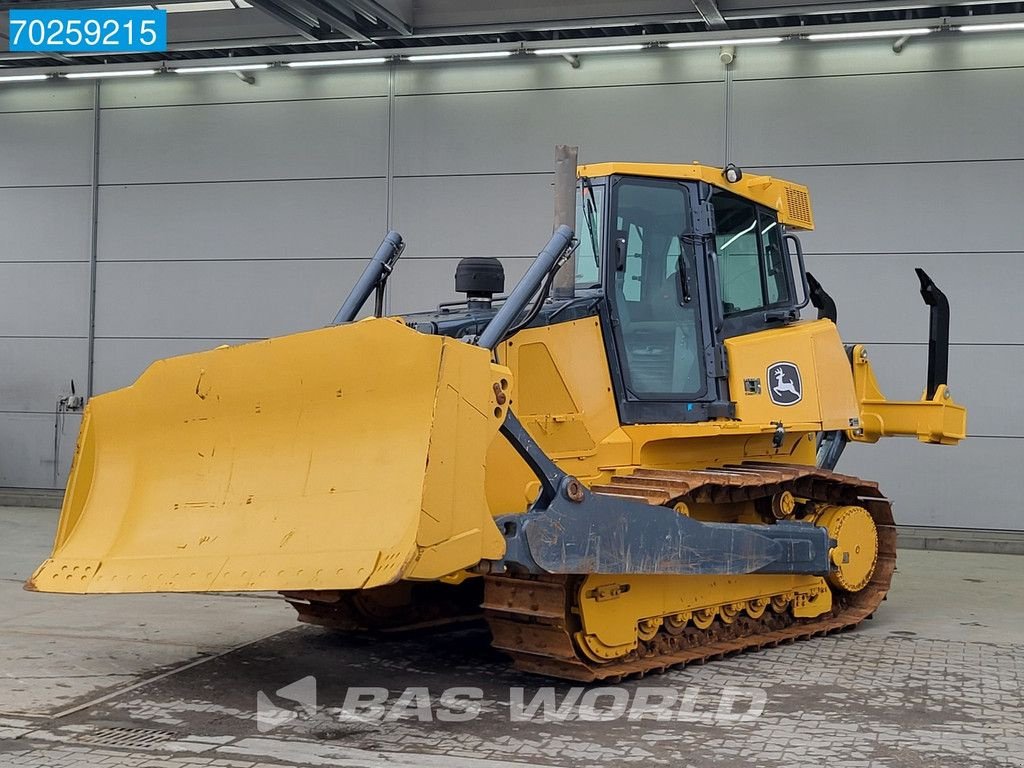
<point x="565" y="214"/>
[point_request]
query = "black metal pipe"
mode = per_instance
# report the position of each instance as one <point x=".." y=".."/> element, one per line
<point x="938" y="332"/>
<point x="546" y="260"/>
<point x="376" y="272"/>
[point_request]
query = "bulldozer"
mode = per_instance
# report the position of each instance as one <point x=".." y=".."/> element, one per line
<point x="629" y="471"/>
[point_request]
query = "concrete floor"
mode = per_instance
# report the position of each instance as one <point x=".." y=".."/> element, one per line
<point x="934" y="680"/>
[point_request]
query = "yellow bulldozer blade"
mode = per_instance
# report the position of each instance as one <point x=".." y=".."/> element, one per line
<point x="341" y="458"/>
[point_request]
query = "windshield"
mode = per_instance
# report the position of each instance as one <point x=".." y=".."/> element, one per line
<point x="589" y="215"/>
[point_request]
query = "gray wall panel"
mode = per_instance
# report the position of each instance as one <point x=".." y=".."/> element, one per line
<point x="35" y="372"/>
<point x="26" y="449"/>
<point x="49" y="95"/>
<point x="244" y="220"/>
<point x="922" y="208"/>
<point x="546" y="72"/>
<point x="237" y="142"/>
<point x="45" y="224"/>
<point x="516" y="132"/>
<point x="44" y="299"/>
<point x="800" y="60"/>
<point x="875" y="118"/>
<point x="120" y="361"/>
<point x="45" y="148"/>
<point x="226" y="88"/>
<point x="474" y="215"/>
<point x="235" y="299"/>
<point x="878" y="296"/>
<point x="961" y="487"/>
<point x="994" y="408"/>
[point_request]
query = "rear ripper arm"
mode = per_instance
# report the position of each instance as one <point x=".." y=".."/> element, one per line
<point x="935" y="418"/>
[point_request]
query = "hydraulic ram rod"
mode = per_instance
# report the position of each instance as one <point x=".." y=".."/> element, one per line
<point x="547" y="260"/>
<point x="373" y="278"/>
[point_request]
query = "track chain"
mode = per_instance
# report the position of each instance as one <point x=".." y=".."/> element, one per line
<point x="533" y="618"/>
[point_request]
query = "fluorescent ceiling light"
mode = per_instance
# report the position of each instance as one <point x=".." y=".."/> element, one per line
<point x="992" y="27"/>
<point x="21" y="78"/>
<point x="587" y="49"/>
<point x="456" y="56"/>
<point x="109" y="73"/>
<point x="224" y="68"/>
<point x="867" y="34"/>
<point x="714" y="43"/>
<point x="335" y="62"/>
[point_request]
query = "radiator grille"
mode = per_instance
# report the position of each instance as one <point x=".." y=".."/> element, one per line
<point x="798" y="204"/>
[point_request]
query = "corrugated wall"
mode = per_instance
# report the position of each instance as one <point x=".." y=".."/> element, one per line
<point x="228" y="212"/>
<point x="45" y="224"/>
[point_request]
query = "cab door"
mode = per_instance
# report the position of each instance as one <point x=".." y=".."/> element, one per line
<point x="656" y="319"/>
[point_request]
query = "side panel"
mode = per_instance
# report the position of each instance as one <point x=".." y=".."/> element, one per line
<point x="563" y="396"/>
<point x="797" y="374"/>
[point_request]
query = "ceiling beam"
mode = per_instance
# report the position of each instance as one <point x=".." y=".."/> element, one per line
<point x="380" y="12"/>
<point x="286" y="17"/>
<point x="332" y="16"/>
<point x="708" y="10"/>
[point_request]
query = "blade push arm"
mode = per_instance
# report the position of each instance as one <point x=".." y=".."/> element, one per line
<point x="569" y="529"/>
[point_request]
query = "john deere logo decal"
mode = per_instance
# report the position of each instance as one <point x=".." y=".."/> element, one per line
<point x="784" y="386"/>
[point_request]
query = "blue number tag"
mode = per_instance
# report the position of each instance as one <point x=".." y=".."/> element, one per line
<point x="112" y="30"/>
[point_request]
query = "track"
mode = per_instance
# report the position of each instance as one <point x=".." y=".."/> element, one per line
<point x="533" y="618"/>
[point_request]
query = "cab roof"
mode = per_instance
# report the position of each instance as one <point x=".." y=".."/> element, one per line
<point x="792" y="201"/>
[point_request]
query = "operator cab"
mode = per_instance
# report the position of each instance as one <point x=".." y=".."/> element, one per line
<point x="686" y="259"/>
<point x="673" y="259"/>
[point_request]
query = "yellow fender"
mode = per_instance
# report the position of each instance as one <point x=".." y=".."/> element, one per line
<point x="342" y="458"/>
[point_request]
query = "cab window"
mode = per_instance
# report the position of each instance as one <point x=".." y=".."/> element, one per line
<point x="589" y="222"/>
<point x="751" y="263"/>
